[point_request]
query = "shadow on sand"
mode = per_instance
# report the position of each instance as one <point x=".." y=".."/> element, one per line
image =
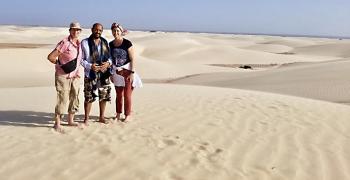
<point x="31" y="118"/>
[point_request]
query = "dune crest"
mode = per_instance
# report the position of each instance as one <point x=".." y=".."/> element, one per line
<point x="198" y="116"/>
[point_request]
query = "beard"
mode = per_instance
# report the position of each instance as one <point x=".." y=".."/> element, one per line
<point x="97" y="35"/>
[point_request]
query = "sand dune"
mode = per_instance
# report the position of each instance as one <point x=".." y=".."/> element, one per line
<point x="325" y="81"/>
<point x="21" y="45"/>
<point x="273" y="48"/>
<point x="294" y="42"/>
<point x="203" y="50"/>
<point x="179" y="132"/>
<point x="207" y="129"/>
<point x="339" y="49"/>
<point x="206" y="50"/>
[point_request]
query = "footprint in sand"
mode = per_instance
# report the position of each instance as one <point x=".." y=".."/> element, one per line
<point x="204" y="151"/>
<point x="168" y="141"/>
<point x="105" y="151"/>
<point x="215" y="156"/>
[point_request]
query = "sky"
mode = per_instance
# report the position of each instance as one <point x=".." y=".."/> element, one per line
<point x="290" y="17"/>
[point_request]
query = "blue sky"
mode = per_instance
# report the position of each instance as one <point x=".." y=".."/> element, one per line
<point x="303" y="17"/>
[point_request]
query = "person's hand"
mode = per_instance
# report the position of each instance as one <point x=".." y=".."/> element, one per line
<point x="95" y="67"/>
<point x="130" y="77"/>
<point x="104" y="66"/>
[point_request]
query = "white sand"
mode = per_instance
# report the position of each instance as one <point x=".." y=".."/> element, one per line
<point x="185" y="131"/>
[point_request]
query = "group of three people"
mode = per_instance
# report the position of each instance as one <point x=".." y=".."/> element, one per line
<point x="102" y="62"/>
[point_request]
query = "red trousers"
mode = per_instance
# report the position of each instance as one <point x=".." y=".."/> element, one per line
<point x="124" y="94"/>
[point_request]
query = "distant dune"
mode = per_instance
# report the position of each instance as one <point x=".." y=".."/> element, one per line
<point x="199" y="115"/>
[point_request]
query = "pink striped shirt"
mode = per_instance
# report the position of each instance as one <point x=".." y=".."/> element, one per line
<point x="68" y="51"/>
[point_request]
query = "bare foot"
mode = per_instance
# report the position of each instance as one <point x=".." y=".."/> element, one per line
<point x="102" y="120"/>
<point x="73" y="124"/>
<point x="127" y="119"/>
<point x="86" y="122"/>
<point x="117" y="117"/>
<point x="58" y="128"/>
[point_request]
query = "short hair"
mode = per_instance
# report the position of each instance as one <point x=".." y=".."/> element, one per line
<point x="96" y="24"/>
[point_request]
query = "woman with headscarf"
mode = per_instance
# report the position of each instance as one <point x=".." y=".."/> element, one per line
<point x="124" y="78"/>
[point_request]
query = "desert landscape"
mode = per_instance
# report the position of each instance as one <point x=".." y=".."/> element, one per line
<point x="213" y="106"/>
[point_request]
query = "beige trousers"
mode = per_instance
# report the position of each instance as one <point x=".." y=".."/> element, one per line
<point x="67" y="90"/>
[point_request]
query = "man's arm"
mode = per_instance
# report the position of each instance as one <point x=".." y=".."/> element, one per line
<point x="85" y="50"/>
<point x="53" y="56"/>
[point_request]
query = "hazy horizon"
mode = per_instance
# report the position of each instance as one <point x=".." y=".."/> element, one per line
<point x="323" y="18"/>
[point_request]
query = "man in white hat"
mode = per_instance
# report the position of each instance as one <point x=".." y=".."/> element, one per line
<point x="67" y="58"/>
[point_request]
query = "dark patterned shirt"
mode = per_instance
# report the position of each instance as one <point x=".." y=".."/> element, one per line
<point x="120" y="55"/>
